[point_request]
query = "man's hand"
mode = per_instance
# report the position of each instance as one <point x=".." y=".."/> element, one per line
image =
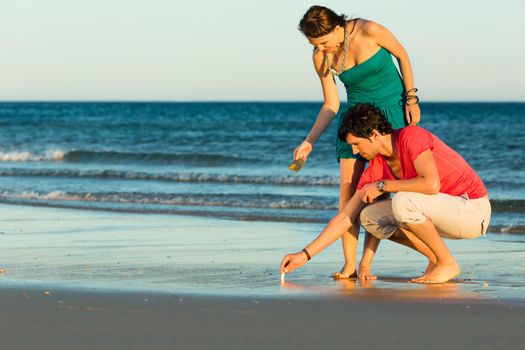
<point x="369" y="192"/>
<point x="293" y="261"/>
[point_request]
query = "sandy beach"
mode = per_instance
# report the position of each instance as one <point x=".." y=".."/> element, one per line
<point x="147" y="199"/>
<point x="76" y="320"/>
<point x="90" y="279"/>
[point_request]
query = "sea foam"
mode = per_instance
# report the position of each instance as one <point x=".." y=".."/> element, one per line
<point x="26" y="156"/>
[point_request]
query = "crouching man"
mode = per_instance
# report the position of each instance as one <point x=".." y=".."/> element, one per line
<point x="435" y="194"/>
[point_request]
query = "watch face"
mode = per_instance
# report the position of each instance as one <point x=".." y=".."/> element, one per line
<point x="381" y="186"/>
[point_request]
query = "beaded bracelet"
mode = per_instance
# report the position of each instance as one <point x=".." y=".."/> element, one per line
<point x="407" y="93"/>
<point x="412" y="98"/>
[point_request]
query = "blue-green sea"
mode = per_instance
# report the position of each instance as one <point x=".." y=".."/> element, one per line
<point x="227" y="160"/>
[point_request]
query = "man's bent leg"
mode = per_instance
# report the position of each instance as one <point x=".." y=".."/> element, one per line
<point x="446" y="266"/>
<point x="378" y="219"/>
<point x="454" y="217"/>
<point x="412" y="211"/>
<point x="407" y="238"/>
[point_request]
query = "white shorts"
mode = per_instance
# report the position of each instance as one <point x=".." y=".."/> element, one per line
<point x="454" y="217"/>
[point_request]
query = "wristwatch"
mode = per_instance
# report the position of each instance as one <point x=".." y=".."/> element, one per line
<point x="381" y="186"/>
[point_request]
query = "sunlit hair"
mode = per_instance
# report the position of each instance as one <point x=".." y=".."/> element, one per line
<point x="319" y="21"/>
<point x="361" y="120"/>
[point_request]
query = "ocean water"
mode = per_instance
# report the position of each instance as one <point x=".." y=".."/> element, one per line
<point x="227" y="160"/>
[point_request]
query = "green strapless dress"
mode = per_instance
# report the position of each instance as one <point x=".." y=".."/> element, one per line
<point x="375" y="81"/>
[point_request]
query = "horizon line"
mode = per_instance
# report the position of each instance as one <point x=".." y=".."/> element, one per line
<point x="236" y="101"/>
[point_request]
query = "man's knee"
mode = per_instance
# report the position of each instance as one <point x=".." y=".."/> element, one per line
<point x="377" y="219"/>
<point x="367" y="217"/>
<point x="406" y="209"/>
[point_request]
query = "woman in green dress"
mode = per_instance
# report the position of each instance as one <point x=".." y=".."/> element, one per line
<point x="360" y="53"/>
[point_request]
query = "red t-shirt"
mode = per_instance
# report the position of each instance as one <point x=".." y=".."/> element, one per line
<point x="456" y="176"/>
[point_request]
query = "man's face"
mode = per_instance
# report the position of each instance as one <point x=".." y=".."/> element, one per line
<point x="367" y="148"/>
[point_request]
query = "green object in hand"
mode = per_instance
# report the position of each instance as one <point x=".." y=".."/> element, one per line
<point x="297" y="165"/>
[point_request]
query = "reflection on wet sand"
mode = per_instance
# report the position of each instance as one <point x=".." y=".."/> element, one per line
<point x="393" y="288"/>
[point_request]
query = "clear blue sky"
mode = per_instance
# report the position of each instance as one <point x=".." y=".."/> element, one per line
<point x="173" y="50"/>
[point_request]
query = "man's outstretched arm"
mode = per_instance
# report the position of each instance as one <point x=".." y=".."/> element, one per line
<point x="333" y="231"/>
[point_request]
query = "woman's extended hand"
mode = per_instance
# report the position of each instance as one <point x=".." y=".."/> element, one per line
<point x="302" y="151"/>
<point x="413" y="114"/>
<point x="293" y="261"/>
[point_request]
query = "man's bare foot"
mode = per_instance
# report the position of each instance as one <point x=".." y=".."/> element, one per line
<point x="345" y="273"/>
<point x="440" y="273"/>
<point x="431" y="265"/>
<point x="365" y="273"/>
<point x="2" y="271"/>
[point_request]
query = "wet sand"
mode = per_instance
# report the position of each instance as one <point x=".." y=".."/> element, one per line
<point x="57" y="320"/>
<point x="89" y="250"/>
<point x="97" y="280"/>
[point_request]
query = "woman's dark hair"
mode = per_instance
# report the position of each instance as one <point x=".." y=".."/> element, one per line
<point x="361" y="120"/>
<point x="319" y="21"/>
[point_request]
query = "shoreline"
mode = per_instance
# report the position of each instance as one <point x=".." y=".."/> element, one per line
<point x="223" y="214"/>
<point x="69" y="249"/>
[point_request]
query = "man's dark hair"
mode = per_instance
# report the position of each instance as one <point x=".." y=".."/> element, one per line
<point x="361" y="120"/>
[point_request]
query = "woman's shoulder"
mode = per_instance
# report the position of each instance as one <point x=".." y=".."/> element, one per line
<point x="368" y="27"/>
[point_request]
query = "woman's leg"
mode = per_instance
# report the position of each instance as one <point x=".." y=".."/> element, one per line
<point x="350" y="172"/>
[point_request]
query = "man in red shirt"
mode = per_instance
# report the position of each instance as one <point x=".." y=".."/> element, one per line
<point x="436" y="194"/>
